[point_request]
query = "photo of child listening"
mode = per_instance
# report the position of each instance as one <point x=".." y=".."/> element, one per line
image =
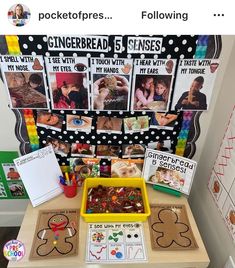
<point x="152" y="92"/>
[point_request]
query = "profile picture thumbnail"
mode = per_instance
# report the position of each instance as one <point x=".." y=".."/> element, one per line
<point x="19" y="15"/>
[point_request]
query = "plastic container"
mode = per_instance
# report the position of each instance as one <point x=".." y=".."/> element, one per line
<point x="115" y="217"/>
<point x="70" y="190"/>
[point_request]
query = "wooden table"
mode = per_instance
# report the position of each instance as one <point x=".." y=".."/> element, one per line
<point x="157" y="259"/>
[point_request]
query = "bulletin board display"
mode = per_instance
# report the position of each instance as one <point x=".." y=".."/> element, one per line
<point x="172" y="47"/>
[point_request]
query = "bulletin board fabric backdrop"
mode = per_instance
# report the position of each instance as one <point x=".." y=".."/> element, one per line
<point x="186" y="129"/>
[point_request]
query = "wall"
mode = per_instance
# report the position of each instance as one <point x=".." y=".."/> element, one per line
<point x="210" y="223"/>
<point x="11" y="211"/>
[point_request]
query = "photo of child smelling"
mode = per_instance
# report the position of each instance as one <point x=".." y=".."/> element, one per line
<point x="26" y="89"/>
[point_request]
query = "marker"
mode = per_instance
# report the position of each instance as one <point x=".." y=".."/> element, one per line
<point x="62" y="180"/>
<point x="73" y="179"/>
<point x="67" y="178"/>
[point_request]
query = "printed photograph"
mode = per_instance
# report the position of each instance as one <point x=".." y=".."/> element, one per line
<point x="16" y="189"/>
<point x="110" y="92"/>
<point x="78" y="123"/>
<point x="133" y="151"/>
<point x="109" y="125"/>
<point x="136" y="124"/>
<point x="19" y="15"/>
<point x="26" y="90"/>
<point x="166" y="177"/>
<point x="162" y="145"/>
<point x="10" y="171"/>
<point x="193" y="99"/>
<point x="85" y="168"/>
<point x="194" y="84"/>
<point x="83" y="150"/>
<point x="49" y="120"/>
<point x="152" y="92"/>
<point x="108" y="151"/>
<point x="163" y="121"/>
<point x="69" y="91"/>
<point x="121" y="168"/>
<point x="60" y="147"/>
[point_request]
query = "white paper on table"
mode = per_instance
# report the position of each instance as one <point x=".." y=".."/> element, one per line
<point x="40" y="173"/>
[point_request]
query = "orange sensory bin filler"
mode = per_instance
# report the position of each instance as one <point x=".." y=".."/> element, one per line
<point x="114" y="184"/>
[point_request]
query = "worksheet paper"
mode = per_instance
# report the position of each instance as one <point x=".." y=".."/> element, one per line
<point x="40" y="173"/>
<point x="115" y="243"/>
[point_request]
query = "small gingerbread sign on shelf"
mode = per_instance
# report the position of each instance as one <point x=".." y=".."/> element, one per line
<point x="56" y="234"/>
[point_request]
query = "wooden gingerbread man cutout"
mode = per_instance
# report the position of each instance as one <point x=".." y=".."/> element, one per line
<point x="56" y="236"/>
<point x="170" y="230"/>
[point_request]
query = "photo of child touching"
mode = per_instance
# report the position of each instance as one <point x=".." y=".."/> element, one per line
<point x="110" y="92"/>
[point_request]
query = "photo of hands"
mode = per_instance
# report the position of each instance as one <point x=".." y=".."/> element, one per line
<point x="110" y="92"/>
<point x="163" y="120"/>
<point x="136" y="124"/>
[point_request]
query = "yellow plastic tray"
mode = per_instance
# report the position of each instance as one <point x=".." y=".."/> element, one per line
<point x="115" y="217"/>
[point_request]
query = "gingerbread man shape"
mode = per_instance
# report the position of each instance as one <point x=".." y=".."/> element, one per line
<point x="56" y="236"/>
<point x="170" y="230"/>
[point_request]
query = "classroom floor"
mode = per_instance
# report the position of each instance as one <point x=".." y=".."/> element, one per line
<point x="6" y="234"/>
